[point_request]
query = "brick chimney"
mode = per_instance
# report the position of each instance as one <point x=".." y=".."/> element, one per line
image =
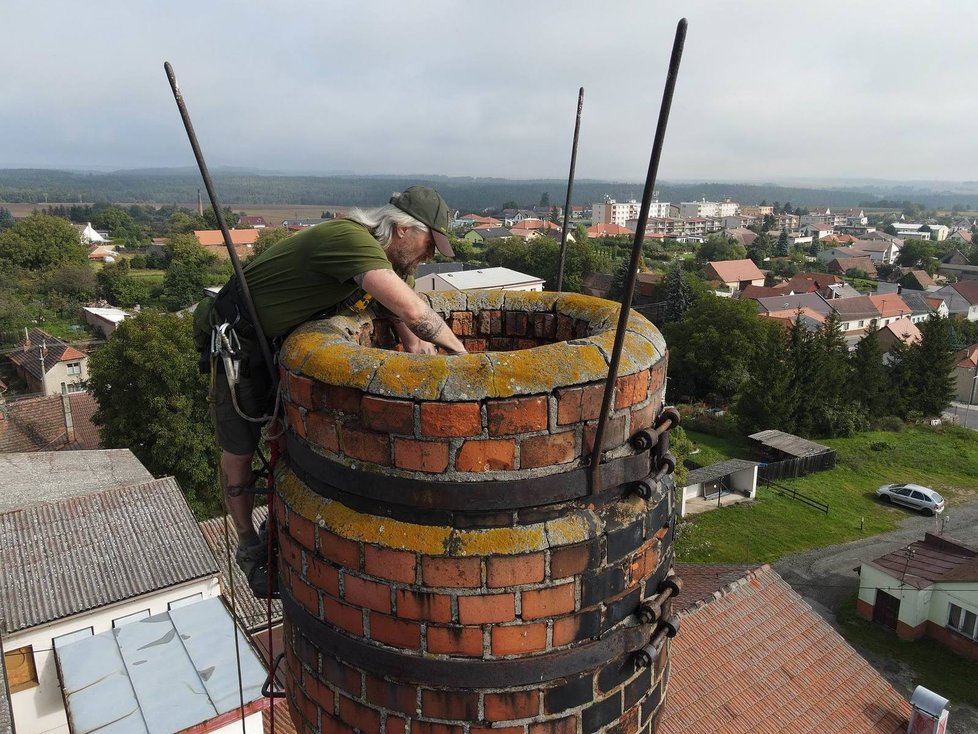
<point x="69" y="422"/>
<point x="445" y="564"/>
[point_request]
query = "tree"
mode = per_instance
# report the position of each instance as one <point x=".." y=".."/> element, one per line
<point x="152" y="399"/>
<point x="720" y="247"/>
<point x="541" y="258"/>
<point x="545" y="199"/>
<point x="6" y="219"/>
<point x="679" y="294"/>
<point x="119" y="287"/>
<point x="770" y="394"/>
<point x="783" y="245"/>
<point x="117" y="221"/>
<point x="40" y="242"/>
<point x="932" y="363"/>
<point x="267" y="238"/>
<point x="918" y="254"/>
<point x="555" y="214"/>
<point x="619" y="278"/>
<point x="869" y="386"/>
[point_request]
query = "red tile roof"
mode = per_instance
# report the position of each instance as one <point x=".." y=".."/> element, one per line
<point x="758" y="659"/>
<point x="238" y="236"/>
<point x="38" y="424"/>
<point x="968" y="290"/>
<point x="735" y="271"/>
<point x="890" y="305"/>
<point x="934" y="559"/>
<point x="28" y="356"/>
<point x="967" y="358"/>
<point x="760" y="291"/>
<point x="608" y="230"/>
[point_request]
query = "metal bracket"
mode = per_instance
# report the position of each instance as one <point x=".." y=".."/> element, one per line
<point x="646" y="656"/>
<point x="266" y="688"/>
<point x="648" y="439"/>
<point x="650" y="611"/>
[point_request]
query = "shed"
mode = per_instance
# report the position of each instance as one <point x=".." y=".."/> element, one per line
<point x="778" y="446"/>
<point x="725" y="477"/>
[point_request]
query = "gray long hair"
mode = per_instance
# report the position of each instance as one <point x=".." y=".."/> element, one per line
<point x="381" y="222"/>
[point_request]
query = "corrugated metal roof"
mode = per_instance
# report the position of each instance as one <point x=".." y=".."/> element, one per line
<point x="718" y="470"/>
<point x="932" y="560"/>
<point x="789" y="444"/>
<point x="758" y="659"/>
<point x="161" y="674"/>
<point x="252" y="613"/>
<point x="81" y="553"/>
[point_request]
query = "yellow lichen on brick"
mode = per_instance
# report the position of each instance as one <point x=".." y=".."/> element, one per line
<point x="344" y="364"/>
<point x="418" y="376"/>
<point x="636" y="352"/>
<point x="500" y="541"/>
<point x="470" y="378"/>
<point x="599" y="312"/>
<point x="539" y="370"/>
<point x="300" y="346"/>
<point x="570" y="529"/>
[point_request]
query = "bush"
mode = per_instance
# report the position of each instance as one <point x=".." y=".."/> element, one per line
<point x="880" y="446"/>
<point x="889" y="423"/>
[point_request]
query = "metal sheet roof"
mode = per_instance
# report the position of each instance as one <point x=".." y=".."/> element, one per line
<point x="718" y="470"/>
<point x="81" y="553"/>
<point x="161" y="674"/>
<point x="789" y="444"/>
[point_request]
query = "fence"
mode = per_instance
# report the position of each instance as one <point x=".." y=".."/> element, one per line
<point x="792" y="493"/>
<point x="799" y="467"/>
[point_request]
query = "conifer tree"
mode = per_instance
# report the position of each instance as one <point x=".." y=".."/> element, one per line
<point x="679" y="294"/>
<point x="932" y="362"/>
<point x="869" y="386"/>
<point x="782" y="246"/>
<point x="769" y="396"/>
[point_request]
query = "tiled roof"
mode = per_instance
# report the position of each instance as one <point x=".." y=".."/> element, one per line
<point x="858" y="307"/>
<point x="923" y="279"/>
<point x="251" y="612"/>
<point x="792" y="303"/>
<point x="753" y="292"/>
<point x="252" y="220"/>
<point x="735" y="271"/>
<point x="934" y="559"/>
<point x="854" y="263"/>
<point x="82" y="553"/>
<point x="489" y="233"/>
<point x="608" y="230"/>
<point x="704" y="581"/>
<point x="967" y="358"/>
<point x="38" y="424"/>
<point x="28" y="357"/>
<point x="759" y="660"/>
<point x="208" y="237"/>
<point x="903" y="330"/>
<point x="968" y="290"/>
<point x="890" y="305"/>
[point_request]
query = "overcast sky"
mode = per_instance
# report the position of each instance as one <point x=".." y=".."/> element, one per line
<point x="768" y="90"/>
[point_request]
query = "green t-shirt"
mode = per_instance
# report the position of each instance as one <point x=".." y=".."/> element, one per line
<point x="310" y="272"/>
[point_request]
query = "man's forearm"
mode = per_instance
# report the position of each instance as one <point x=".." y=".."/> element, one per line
<point x="432" y="328"/>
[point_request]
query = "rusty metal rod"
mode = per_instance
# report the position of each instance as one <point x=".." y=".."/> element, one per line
<point x="645" y="657"/>
<point x="209" y="185"/>
<point x="570" y="187"/>
<point x="650" y="611"/>
<point x="643" y="217"/>
<point x="648" y="438"/>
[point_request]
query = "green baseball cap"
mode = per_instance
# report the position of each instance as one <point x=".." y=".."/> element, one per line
<point x="427" y="206"/>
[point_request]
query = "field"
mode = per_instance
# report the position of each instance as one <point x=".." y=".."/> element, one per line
<point x="773" y="526"/>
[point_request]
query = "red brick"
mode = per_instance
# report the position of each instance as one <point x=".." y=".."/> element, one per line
<point x="322" y="575"/>
<point x="511" y="705"/>
<point x="305" y="392"/>
<point x="614" y="434"/>
<point x="475" y="345"/>
<point x="501" y="344"/>
<point x="483" y="609"/>
<point x="643" y="564"/>
<point x="558" y="448"/>
<point x="302" y="531"/>
<point x="321" y="695"/>
<point x="657" y="376"/>
<point x="491" y="455"/>
<point x="369" y="594"/>
<point x="294" y="418"/>
<point x="644" y="417"/>
<point x="428" y="456"/>
<point x="517" y="323"/>
<point x="342" y="676"/>
<point x="332" y="725"/>
<point x="455" y="641"/>
<point x="365" y="445"/>
<point x="460" y="322"/>
<point x="631" y="389"/>
<point x="558" y="726"/>
<point x="505" y="571"/>
<point x="519" y="638"/>
<point x="497" y="730"/>
<point x="569" y="560"/>
<point x="390" y="695"/>
<point x="359" y="716"/>
<point x="339" y="550"/>
<point x="387" y="416"/>
<point x="451" y="419"/>
<point x="451" y="572"/>
<point x="291" y="553"/>
<point x="550" y="602"/>
<point x="422" y="606"/>
<point x="343" y="616"/>
<point x="527" y="343"/>
<point x="344" y="399"/>
<point x="395" y="725"/>
<point x="306" y="595"/>
<point x="395" y="632"/>
<point x="544" y="326"/>
<point x="433" y="727"/>
<point x="565" y="328"/>
<point x="321" y="430"/>
<point x="566" y="630"/>
<point x="450" y="705"/>
<point x="519" y="415"/>
<point x="386" y="563"/>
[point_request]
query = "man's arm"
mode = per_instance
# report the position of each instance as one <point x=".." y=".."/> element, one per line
<point x="423" y="321"/>
<point x="411" y="343"/>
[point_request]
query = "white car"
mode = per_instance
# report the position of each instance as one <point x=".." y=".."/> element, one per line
<point x="914" y="496"/>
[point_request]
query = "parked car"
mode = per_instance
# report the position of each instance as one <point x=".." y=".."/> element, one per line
<point x="914" y="496"/>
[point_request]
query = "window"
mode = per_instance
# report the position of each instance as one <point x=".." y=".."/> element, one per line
<point x="74" y="368"/>
<point x="76" y="387"/>
<point x="963" y="621"/>
<point x="130" y="618"/>
<point x="62" y="640"/>
<point x="21" y="671"/>
<point x="185" y="601"/>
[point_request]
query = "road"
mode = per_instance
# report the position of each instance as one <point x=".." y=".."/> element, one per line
<point x="967" y="415"/>
<point x="825" y="578"/>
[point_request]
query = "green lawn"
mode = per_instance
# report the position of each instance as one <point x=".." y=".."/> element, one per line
<point x="775" y="526"/>
<point x="152" y="277"/>
<point x="933" y="666"/>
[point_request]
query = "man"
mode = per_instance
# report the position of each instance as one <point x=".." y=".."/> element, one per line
<point x="314" y="274"/>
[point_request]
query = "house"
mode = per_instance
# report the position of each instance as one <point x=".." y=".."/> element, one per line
<point x="812" y="283"/>
<point x="891" y="308"/>
<point x="102" y="253"/>
<point x="842" y="265"/>
<point x="709" y="484"/>
<point x="88" y="235"/>
<point x="961" y="298"/>
<point x="923" y="305"/>
<point x="609" y="230"/>
<point x="253" y="222"/>
<point x="93" y="546"/>
<point x="484" y="279"/>
<point x="774" y="445"/>
<point x="960" y="236"/>
<point x="954" y="257"/>
<point x="243" y="240"/>
<point x="966" y="375"/>
<point x="880" y="251"/>
<point x="106" y="320"/>
<point x="926" y="589"/>
<point x="525" y="234"/>
<point x="818" y="230"/>
<point x="855" y="313"/>
<point x="735" y="275"/>
<point x="752" y="656"/>
<point x="902" y="330"/>
<point x="917" y="280"/>
<point x="744" y="236"/>
<point x="49" y="365"/>
<point x="484" y="234"/>
<point x="792" y="303"/>
<point x="840" y="290"/>
<point x="810" y="319"/>
<point x="48" y="423"/>
<point x="754" y="292"/>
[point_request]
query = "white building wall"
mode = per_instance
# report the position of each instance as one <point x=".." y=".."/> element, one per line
<point x="41" y="709"/>
<point x="961" y="593"/>
<point x="914" y="603"/>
